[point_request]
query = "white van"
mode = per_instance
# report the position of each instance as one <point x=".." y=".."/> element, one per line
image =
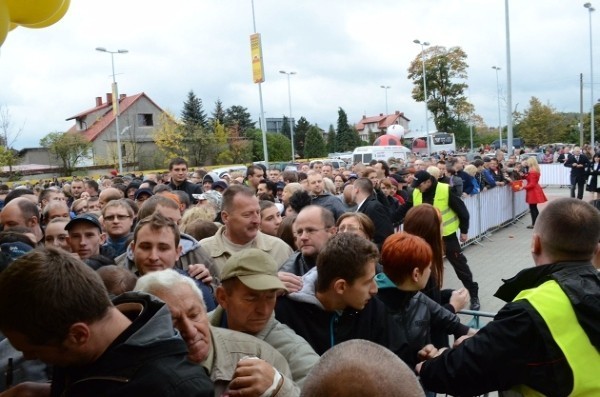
<point x="364" y="154"/>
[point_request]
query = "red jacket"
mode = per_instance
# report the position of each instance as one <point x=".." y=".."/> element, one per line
<point x="535" y="194"/>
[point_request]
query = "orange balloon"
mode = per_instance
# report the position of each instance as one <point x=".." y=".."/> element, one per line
<point x="53" y="19"/>
<point x="32" y="11"/>
<point x="4" y="22"/>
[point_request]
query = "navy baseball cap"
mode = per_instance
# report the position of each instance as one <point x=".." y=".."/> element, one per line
<point x="87" y="218"/>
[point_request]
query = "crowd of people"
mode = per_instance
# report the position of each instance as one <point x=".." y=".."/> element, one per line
<point x="274" y="283"/>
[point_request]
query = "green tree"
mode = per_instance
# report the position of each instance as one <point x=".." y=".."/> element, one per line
<point x="445" y="71"/>
<point x="238" y="118"/>
<point x="68" y="147"/>
<point x="315" y="144"/>
<point x="347" y="137"/>
<point x="193" y="113"/>
<point x="331" y="140"/>
<point x="218" y="115"/>
<point x="300" y="136"/>
<point x="8" y="136"/>
<point x="285" y="127"/>
<point x="542" y="124"/>
<point x="169" y="137"/>
<point x="221" y="145"/>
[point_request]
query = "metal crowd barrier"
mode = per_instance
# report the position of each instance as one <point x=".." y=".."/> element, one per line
<point x="493" y="209"/>
<point x="555" y="174"/>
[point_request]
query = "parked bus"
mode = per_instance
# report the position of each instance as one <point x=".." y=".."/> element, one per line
<point x="434" y="142"/>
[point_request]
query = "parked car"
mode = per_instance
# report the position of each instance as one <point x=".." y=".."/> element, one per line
<point x="517" y="143"/>
<point x="538" y="156"/>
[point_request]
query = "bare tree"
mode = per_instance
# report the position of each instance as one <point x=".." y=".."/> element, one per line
<point x="8" y="137"/>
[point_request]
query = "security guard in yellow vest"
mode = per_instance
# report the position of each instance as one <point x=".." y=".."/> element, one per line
<point x="455" y="216"/>
<point x="546" y="340"/>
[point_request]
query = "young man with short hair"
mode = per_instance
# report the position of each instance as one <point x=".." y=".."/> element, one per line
<point x="178" y="170"/>
<point x="117" y="216"/>
<point x="338" y="303"/>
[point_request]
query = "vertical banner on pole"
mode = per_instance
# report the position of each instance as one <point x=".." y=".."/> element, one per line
<point x="115" y="99"/>
<point x="258" y="70"/>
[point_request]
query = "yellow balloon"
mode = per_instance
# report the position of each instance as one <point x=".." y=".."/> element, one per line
<point x="4" y="22"/>
<point x="12" y="26"/>
<point x="32" y="11"/>
<point x="53" y="19"/>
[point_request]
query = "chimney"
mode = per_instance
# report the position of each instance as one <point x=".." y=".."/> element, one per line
<point x="364" y="117"/>
<point x="98" y="101"/>
<point x="398" y="112"/>
<point x="381" y="114"/>
<point x="109" y="98"/>
<point x="122" y="96"/>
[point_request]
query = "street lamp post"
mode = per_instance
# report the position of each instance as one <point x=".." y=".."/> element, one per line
<point x="497" y="69"/>
<point x="115" y="99"/>
<point x="290" y="103"/>
<point x="386" y="88"/>
<point x="590" y="10"/>
<point x="423" y="45"/>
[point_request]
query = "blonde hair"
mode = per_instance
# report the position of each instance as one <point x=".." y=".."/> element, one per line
<point x="202" y="212"/>
<point x="471" y="169"/>
<point x="434" y="171"/>
<point x="533" y="164"/>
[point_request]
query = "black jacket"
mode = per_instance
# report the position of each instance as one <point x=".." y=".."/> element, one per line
<point x="380" y="216"/>
<point x="302" y="312"/>
<point x="517" y="347"/>
<point x="188" y="187"/>
<point x="147" y="359"/>
<point x="577" y="171"/>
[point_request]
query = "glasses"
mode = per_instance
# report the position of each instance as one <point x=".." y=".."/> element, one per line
<point x="112" y="218"/>
<point x="349" y="228"/>
<point x="309" y="231"/>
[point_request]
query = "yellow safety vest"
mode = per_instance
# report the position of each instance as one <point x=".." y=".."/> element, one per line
<point x="553" y="305"/>
<point x="450" y="221"/>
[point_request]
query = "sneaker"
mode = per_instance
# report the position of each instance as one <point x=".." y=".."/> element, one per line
<point x="475" y="305"/>
<point x="530" y="227"/>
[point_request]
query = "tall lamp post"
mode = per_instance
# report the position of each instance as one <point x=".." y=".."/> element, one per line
<point x="115" y="101"/>
<point x="423" y="45"/>
<point x="386" y="88"/>
<point x="290" y="103"/>
<point x="590" y="10"/>
<point x="497" y="69"/>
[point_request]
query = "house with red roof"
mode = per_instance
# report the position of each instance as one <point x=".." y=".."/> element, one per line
<point x="378" y="124"/>
<point x="138" y="119"/>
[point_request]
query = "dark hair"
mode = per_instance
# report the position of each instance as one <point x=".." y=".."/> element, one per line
<point x="184" y="198"/>
<point x="289" y="176"/>
<point x="357" y="253"/>
<point x="299" y="200"/>
<point x="13" y="194"/>
<point x="364" y="184"/>
<point x="385" y="166"/>
<point x="200" y="229"/>
<point x="177" y="161"/>
<point x="401" y="253"/>
<point x="93" y="184"/>
<point x="56" y="290"/>
<point x="156" y="221"/>
<point x="285" y="231"/>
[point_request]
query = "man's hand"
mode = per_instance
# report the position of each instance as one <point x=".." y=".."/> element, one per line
<point x="292" y="282"/>
<point x="200" y="272"/>
<point x="426" y="353"/>
<point x="459" y="299"/>
<point x="460" y="340"/>
<point x="252" y="377"/>
<point x="463" y="237"/>
<point x="28" y="389"/>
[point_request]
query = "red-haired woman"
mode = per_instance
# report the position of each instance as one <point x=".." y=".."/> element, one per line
<point x="406" y="261"/>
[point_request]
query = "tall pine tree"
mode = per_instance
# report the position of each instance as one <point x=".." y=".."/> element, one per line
<point x="193" y="114"/>
<point x="285" y="127"/>
<point x="218" y="115"/>
<point x="346" y="139"/>
<point x="238" y="119"/>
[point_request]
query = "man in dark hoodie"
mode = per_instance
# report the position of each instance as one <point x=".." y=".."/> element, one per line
<point x="178" y="170"/>
<point x="337" y="303"/>
<point x="98" y="348"/>
<point x="546" y="340"/>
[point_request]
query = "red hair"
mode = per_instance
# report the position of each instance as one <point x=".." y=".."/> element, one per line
<point x="401" y="253"/>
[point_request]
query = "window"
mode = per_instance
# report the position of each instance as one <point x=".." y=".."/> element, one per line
<point x="145" y="119"/>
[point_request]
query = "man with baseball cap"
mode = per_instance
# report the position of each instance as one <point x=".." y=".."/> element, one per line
<point x="455" y="216"/>
<point x="247" y="297"/>
<point x="86" y="239"/>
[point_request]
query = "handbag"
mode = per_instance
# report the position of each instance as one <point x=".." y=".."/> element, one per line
<point x="516" y="185"/>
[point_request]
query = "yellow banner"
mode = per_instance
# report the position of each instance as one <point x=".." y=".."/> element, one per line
<point x="258" y="70"/>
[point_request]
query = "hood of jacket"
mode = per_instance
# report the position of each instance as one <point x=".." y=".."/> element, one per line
<point x="308" y="293"/>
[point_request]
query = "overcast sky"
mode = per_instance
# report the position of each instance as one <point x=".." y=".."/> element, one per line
<point x="342" y="51"/>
